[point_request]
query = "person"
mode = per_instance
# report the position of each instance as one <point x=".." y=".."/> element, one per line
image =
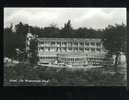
<point x="122" y="65"/>
<point x="121" y="58"/>
<point x="114" y="58"/>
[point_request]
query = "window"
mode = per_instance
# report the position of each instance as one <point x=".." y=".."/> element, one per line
<point x="92" y="49"/>
<point x="81" y="43"/>
<point x="42" y="48"/>
<point x="75" y="48"/>
<point x="92" y="43"/>
<point x="63" y="43"/>
<point x="52" y="43"/>
<point x="75" y="43"/>
<point x="70" y="43"/>
<point x="49" y="48"/>
<point x="58" y="43"/>
<point x="87" y="49"/>
<point x="97" y="49"/>
<point x="81" y="49"/>
<point x="64" y="48"/>
<point x="86" y="43"/>
<point x="42" y="42"/>
<point x="98" y="44"/>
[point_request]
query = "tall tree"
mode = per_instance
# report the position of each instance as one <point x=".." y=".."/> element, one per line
<point x="67" y="30"/>
<point x="21" y="31"/>
<point x="9" y="42"/>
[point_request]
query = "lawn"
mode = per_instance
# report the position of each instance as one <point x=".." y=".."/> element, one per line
<point x="60" y="76"/>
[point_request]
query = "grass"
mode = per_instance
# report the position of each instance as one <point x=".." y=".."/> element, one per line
<point x="61" y="77"/>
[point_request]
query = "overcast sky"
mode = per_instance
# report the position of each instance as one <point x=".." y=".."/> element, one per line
<point x="96" y="18"/>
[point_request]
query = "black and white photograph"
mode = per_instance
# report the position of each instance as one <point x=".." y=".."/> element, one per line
<point x="61" y="46"/>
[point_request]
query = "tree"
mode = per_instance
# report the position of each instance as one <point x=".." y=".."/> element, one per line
<point x="33" y="51"/>
<point x="21" y="31"/>
<point x="67" y="30"/>
<point x="50" y="31"/>
<point x="9" y="42"/>
<point x="115" y="40"/>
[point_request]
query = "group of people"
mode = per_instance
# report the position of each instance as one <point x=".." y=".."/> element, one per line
<point x="121" y="58"/>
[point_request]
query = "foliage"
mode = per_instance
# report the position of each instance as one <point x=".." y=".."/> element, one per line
<point x="63" y="77"/>
<point x="115" y="40"/>
<point x="9" y="47"/>
<point x="114" y="37"/>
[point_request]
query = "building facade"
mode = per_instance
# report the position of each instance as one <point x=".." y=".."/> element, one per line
<point x="71" y="51"/>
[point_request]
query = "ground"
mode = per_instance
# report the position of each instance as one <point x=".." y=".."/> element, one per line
<point x="33" y="75"/>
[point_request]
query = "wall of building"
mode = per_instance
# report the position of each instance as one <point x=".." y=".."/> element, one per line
<point x="70" y="45"/>
<point x="66" y="49"/>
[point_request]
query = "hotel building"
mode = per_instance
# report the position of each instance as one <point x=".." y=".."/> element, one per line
<point x="70" y="51"/>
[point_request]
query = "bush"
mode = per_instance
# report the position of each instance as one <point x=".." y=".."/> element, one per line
<point x="59" y="77"/>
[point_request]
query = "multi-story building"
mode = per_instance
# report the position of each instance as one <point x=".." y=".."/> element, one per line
<point x="73" y="51"/>
<point x="69" y="51"/>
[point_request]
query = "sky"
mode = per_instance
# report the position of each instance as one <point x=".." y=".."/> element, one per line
<point x="97" y="18"/>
